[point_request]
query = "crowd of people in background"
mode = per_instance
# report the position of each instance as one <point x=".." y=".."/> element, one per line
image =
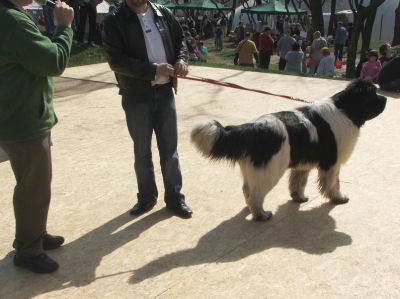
<point x="303" y="51"/>
<point x="300" y="49"/>
<point x="85" y="13"/>
<point x="199" y="27"/>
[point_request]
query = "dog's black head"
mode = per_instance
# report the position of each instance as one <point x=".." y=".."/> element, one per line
<point x="360" y="102"/>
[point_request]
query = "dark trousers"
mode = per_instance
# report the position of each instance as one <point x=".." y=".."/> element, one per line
<point x="143" y="116"/>
<point x="338" y="52"/>
<point x="31" y="163"/>
<point x="282" y="63"/>
<point x="218" y="42"/>
<point x="265" y="58"/>
<point x="87" y="11"/>
<point x="75" y="22"/>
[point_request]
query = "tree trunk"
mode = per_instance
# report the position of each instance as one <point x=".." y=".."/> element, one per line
<point x="367" y="32"/>
<point x="230" y="21"/>
<point x="396" y="36"/>
<point x="332" y="18"/>
<point x="316" y="14"/>
<point x="360" y="17"/>
<point x="352" y="49"/>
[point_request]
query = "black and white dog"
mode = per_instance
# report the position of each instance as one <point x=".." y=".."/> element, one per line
<point x="322" y="135"/>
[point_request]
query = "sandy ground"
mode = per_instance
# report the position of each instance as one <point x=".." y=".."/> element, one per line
<point x="314" y="250"/>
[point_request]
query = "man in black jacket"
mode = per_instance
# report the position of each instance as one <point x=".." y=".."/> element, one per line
<point x="146" y="49"/>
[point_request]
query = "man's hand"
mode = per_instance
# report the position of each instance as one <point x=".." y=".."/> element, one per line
<point x="181" y="68"/>
<point x="63" y="14"/>
<point x="165" y="70"/>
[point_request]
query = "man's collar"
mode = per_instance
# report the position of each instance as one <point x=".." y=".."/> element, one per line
<point x="129" y="13"/>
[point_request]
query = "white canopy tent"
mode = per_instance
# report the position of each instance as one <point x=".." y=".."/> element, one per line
<point x="384" y="21"/>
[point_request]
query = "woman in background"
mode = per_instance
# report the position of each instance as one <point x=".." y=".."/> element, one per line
<point x="294" y="59"/>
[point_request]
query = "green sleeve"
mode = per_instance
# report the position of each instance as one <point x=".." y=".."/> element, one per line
<point x="37" y="53"/>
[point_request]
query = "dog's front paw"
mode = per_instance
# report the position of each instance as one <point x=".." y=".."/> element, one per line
<point x="299" y="199"/>
<point x="339" y="200"/>
<point x="263" y="216"/>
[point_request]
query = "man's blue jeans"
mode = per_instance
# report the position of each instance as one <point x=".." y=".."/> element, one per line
<point x="339" y="51"/>
<point x="143" y="116"/>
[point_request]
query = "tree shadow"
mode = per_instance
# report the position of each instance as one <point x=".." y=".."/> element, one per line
<point x="312" y="231"/>
<point x="66" y="87"/>
<point x="79" y="259"/>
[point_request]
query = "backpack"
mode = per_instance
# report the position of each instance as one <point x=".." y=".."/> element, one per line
<point x="320" y="44"/>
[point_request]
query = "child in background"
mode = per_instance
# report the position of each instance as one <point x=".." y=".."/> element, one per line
<point x="372" y="67"/>
<point x="326" y="66"/>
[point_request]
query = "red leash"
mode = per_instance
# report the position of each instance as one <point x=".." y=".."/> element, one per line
<point x="217" y="82"/>
<point x="232" y="85"/>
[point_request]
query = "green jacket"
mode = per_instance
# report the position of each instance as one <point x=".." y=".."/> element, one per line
<point x="27" y="61"/>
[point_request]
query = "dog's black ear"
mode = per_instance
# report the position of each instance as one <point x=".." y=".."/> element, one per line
<point x="358" y="101"/>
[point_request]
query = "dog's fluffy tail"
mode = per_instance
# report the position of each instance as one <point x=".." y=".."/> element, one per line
<point x="259" y="141"/>
<point x="217" y="142"/>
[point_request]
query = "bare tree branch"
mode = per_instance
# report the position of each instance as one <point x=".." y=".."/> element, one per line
<point x="307" y="3"/>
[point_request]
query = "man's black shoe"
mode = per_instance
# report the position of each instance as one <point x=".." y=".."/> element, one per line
<point x="181" y="209"/>
<point x="142" y="207"/>
<point x="38" y="264"/>
<point x="52" y="242"/>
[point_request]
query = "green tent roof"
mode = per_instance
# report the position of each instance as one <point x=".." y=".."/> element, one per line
<point x="166" y="3"/>
<point x="202" y="5"/>
<point x="273" y="7"/>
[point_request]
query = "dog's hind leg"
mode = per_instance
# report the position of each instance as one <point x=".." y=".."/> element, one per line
<point x="261" y="181"/>
<point x="253" y="190"/>
<point x="297" y="184"/>
<point x="330" y="186"/>
<point x="245" y="187"/>
<point x="246" y="192"/>
<point x="255" y="204"/>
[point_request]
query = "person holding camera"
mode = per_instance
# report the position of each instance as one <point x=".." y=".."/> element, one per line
<point x="28" y="62"/>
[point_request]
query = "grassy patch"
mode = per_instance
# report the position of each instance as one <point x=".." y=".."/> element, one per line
<point x="373" y="45"/>
<point x="85" y="55"/>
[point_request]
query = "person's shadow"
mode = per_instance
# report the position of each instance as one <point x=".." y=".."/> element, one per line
<point x="78" y="259"/>
<point x="312" y="231"/>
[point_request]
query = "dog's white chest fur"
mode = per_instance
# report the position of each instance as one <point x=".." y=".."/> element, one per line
<point x="345" y="132"/>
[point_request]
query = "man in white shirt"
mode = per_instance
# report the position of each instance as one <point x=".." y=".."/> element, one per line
<point x="146" y="49"/>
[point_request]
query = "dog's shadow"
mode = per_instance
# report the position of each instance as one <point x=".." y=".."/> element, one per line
<point x="312" y="231"/>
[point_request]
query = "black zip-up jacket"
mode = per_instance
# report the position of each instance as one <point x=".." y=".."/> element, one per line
<point x="126" y="52"/>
